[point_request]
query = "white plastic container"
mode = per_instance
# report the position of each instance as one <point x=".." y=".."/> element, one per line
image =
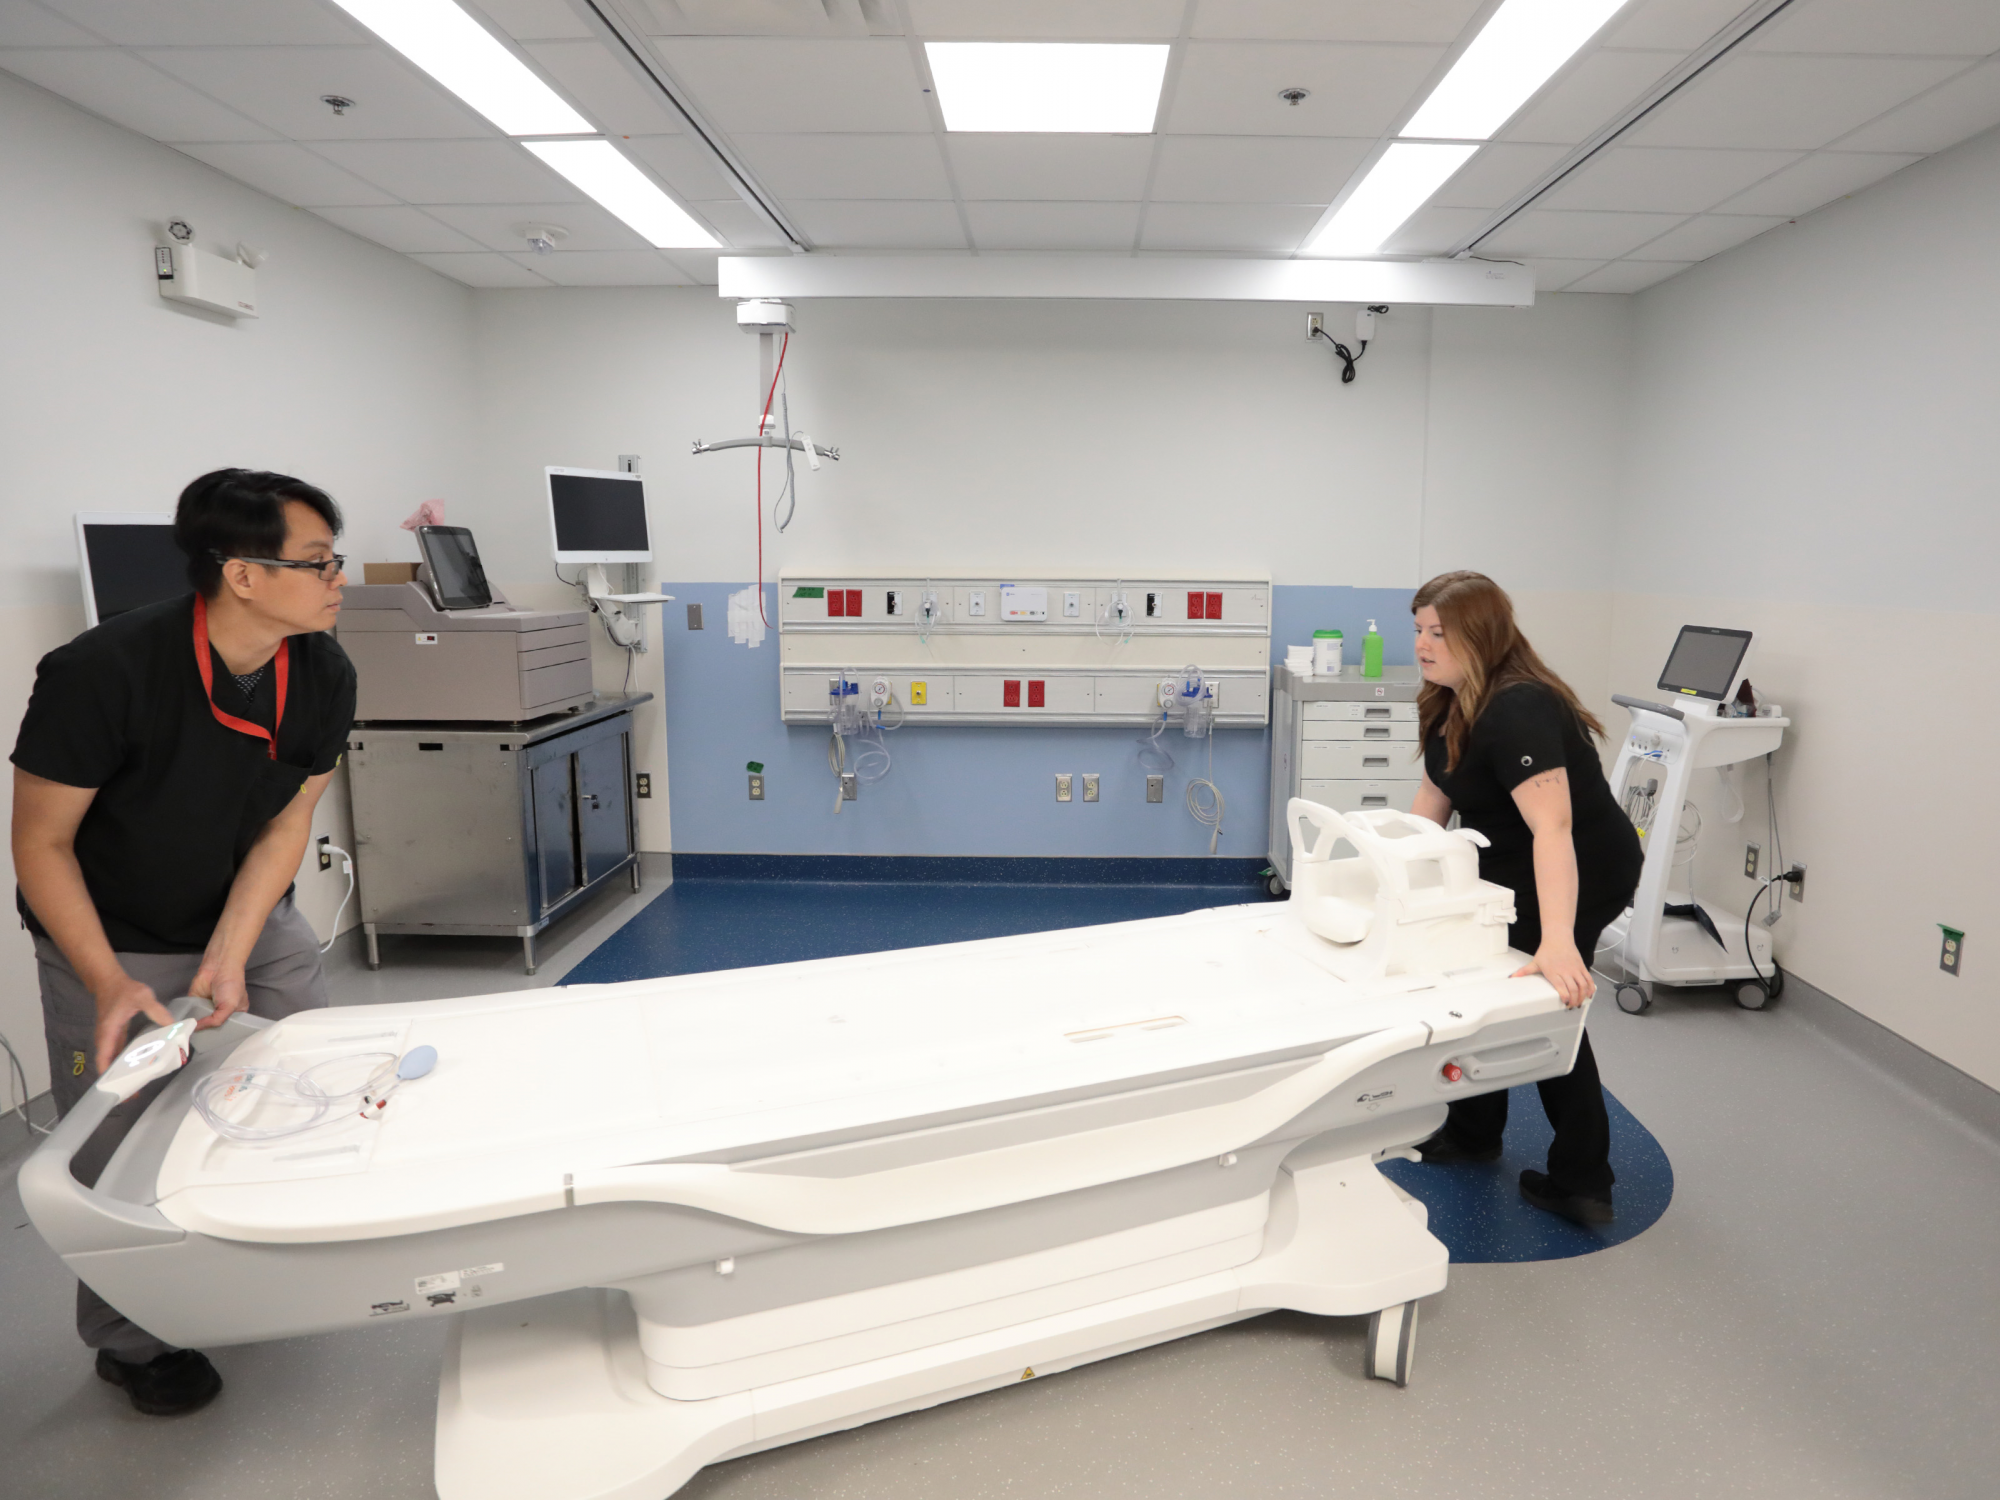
<point x="1326" y="653"/>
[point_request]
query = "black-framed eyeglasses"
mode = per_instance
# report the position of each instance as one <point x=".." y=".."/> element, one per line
<point x="328" y="568"/>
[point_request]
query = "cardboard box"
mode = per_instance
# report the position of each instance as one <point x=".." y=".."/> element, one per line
<point x="389" y="572"/>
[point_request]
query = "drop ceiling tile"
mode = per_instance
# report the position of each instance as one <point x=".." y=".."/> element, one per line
<point x="780" y="84"/>
<point x="1709" y="234"/>
<point x="605" y="268"/>
<point x="1932" y="28"/>
<point x="1268" y="228"/>
<point x="697" y="265"/>
<point x="1663" y="179"/>
<point x="741" y="227"/>
<point x="1628" y="276"/>
<point x="878" y="225"/>
<point x="1048" y="20"/>
<point x="289" y="173"/>
<point x="1673" y="25"/>
<point x="24" y="25"/>
<point x="1575" y="236"/>
<point x="1255" y="169"/>
<point x="1781" y="101"/>
<point x="483" y="268"/>
<point x="846" y="166"/>
<point x="1437" y="22"/>
<point x="1046" y="167"/>
<point x="280" y="87"/>
<point x="124" y="90"/>
<point x="776" y="18"/>
<point x="399" y="227"/>
<point x="1053" y="226"/>
<point x="1554" y="275"/>
<point x="451" y="171"/>
<point x="682" y="164"/>
<point x="498" y="226"/>
<point x="603" y="88"/>
<point x="1231" y="88"/>
<point x="1500" y="171"/>
<point x="1588" y="95"/>
<point x="1433" y="231"/>
<point x="1815" y="182"/>
<point x="1954" y="111"/>
<point x="212" y="23"/>
<point x="533" y="20"/>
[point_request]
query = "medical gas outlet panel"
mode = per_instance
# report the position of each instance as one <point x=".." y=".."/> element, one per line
<point x="1059" y="651"/>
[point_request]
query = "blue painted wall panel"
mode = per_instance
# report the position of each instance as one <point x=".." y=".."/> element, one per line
<point x="955" y="790"/>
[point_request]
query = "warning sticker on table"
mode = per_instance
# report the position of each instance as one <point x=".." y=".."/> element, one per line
<point x="443" y="1288"/>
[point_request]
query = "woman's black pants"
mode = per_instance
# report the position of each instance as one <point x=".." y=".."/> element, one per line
<point x="1580" y="1155"/>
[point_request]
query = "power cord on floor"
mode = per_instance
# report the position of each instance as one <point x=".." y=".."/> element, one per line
<point x="347" y="869"/>
<point x="17" y="1088"/>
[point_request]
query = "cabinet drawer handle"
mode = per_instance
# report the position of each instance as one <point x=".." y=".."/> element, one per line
<point x="1375" y="760"/>
<point x="1374" y="801"/>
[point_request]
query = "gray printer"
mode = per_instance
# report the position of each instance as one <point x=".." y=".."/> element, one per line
<point x="476" y="658"/>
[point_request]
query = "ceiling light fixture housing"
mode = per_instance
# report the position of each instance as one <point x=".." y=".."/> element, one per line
<point x="599" y="170"/>
<point x="1515" y="53"/>
<point x="1098" y="88"/>
<point x="340" y="104"/>
<point x="1395" y="187"/>
<point x="470" y="61"/>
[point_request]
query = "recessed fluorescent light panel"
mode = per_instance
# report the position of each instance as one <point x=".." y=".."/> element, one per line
<point x="1515" y="53"/>
<point x="467" y="59"/>
<point x="1085" y="87"/>
<point x="599" y="170"/>
<point x="1395" y="187"/>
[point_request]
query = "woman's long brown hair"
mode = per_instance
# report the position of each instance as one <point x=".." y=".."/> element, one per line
<point x="1478" y="620"/>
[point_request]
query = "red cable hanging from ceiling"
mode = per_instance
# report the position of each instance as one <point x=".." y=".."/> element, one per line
<point x="763" y="418"/>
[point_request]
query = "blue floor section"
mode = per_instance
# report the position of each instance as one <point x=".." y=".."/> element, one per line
<point x="702" y="924"/>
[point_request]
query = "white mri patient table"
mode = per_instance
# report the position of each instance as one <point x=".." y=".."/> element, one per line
<point x="679" y="1220"/>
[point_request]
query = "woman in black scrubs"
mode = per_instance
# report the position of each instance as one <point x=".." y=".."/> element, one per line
<point x="1508" y="746"/>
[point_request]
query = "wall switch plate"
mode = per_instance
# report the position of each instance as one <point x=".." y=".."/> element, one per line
<point x="325" y="859"/>
<point x="1090" y="786"/>
<point x="850" y="787"/>
<point x="756" y="789"/>
<point x="1063" y="784"/>
<point x="1156" y="788"/>
<point x="1951" y="949"/>
<point x="1750" y="853"/>
<point x="645" y="784"/>
<point x="694" y="617"/>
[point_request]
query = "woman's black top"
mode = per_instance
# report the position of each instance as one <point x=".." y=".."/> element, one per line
<point x="1524" y="731"/>
<point x="180" y="797"/>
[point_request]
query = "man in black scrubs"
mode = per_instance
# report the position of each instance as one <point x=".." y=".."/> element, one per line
<point x="165" y="778"/>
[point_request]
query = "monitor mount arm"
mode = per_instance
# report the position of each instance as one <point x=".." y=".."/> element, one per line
<point x="620" y="622"/>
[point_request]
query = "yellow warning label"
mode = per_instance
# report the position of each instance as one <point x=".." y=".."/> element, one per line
<point x="1028" y="1374"/>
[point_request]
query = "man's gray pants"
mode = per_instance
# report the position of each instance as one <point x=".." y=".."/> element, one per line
<point x="283" y="976"/>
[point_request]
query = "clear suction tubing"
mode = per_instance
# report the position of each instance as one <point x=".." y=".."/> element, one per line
<point x="252" y="1104"/>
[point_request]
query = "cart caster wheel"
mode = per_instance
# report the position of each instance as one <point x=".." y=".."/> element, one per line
<point x="1633" y="999"/>
<point x="1275" y="887"/>
<point x="1392" y="1343"/>
<point x="1752" y="994"/>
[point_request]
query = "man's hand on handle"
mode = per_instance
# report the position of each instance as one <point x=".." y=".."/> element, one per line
<point x="118" y="1003"/>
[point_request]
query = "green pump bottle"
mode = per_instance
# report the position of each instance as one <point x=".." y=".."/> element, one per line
<point x="1371" y="652"/>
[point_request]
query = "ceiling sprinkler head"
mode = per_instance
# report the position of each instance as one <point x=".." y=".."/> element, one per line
<point x="1294" y="97"/>
<point x="543" y="238"/>
<point x="340" y="104"/>
<point x="180" y="231"/>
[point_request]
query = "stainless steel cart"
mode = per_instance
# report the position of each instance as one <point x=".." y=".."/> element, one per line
<point x="491" y="829"/>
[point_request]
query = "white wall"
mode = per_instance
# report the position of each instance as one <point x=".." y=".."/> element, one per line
<point x="1812" y="457"/>
<point x="356" y="378"/>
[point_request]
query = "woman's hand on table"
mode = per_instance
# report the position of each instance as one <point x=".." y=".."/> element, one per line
<point x="1563" y="967"/>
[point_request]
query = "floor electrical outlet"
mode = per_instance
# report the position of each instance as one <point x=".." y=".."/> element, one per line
<point x="1156" y="788"/>
<point x="1750" y="854"/>
<point x="1952" y="949"/>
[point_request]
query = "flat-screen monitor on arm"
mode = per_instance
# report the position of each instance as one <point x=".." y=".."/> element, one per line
<point x="598" y="516"/>
<point x="127" y="559"/>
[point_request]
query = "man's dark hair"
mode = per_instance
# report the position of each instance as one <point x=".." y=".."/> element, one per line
<point x="239" y="513"/>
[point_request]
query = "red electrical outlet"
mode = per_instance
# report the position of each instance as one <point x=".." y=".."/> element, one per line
<point x="1197" y="605"/>
<point x="1215" y="606"/>
<point x="1037" y="694"/>
<point x="836" y="602"/>
<point x="1010" y="693"/>
<point x="854" y="604"/>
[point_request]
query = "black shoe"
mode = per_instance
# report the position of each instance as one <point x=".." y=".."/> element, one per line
<point x="1443" y="1149"/>
<point x="180" y="1380"/>
<point x="1578" y="1208"/>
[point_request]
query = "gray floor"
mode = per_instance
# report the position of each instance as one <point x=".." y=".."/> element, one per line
<point x="1818" y="1314"/>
